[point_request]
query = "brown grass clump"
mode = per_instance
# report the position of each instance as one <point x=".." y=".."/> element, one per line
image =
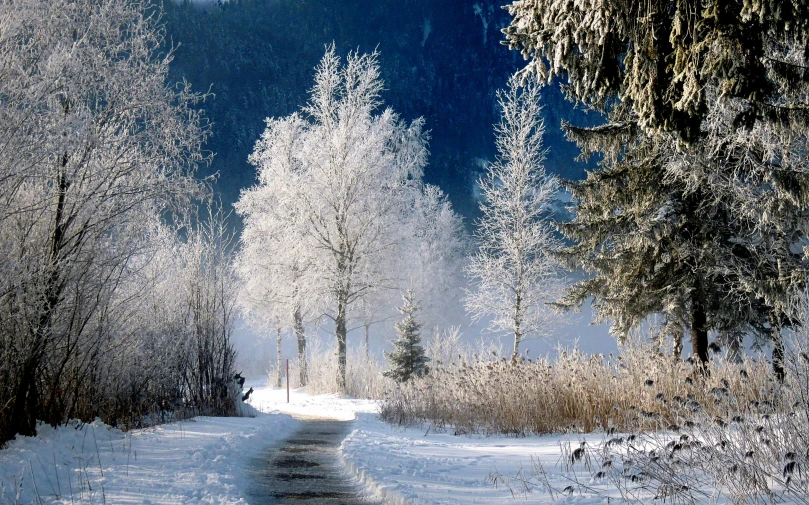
<point x="637" y="391"/>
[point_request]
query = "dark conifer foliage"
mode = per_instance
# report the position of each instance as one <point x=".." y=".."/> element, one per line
<point x="408" y="358"/>
<point x="700" y="208"/>
<point x="655" y="247"/>
<point x="659" y="59"/>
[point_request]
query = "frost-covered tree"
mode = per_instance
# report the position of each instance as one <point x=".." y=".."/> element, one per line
<point x="714" y="96"/>
<point x="96" y="148"/>
<point x="209" y="287"/>
<point x="659" y="59"/>
<point x="652" y="245"/>
<point x="429" y="260"/>
<point x="273" y="265"/>
<point x="372" y="311"/>
<point x="170" y="346"/>
<point x="408" y="359"/>
<point x="343" y="191"/>
<point x="432" y="258"/>
<point x="513" y="274"/>
<point x="760" y="174"/>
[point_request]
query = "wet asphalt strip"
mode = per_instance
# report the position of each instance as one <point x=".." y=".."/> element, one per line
<point x="306" y="469"/>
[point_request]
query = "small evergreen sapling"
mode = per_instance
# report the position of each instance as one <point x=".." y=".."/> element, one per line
<point x="408" y="359"/>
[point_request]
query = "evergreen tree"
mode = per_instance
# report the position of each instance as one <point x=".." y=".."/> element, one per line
<point x="701" y="204"/>
<point x="655" y="246"/>
<point x="408" y="359"/>
<point x="661" y="58"/>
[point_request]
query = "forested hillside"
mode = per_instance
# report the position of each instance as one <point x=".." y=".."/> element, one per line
<point x="439" y="60"/>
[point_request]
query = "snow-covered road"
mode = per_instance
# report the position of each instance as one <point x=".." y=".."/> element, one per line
<point x="416" y="466"/>
<point x="204" y="460"/>
<point x="306" y="468"/>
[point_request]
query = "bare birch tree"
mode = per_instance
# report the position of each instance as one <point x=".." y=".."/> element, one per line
<point x="513" y="274"/>
<point x="273" y="268"/>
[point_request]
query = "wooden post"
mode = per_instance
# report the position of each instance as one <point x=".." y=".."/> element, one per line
<point x="287" y="380"/>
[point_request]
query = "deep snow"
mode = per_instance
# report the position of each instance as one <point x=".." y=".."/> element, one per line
<point x="201" y="461"/>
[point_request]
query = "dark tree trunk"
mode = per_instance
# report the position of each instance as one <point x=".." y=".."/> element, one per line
<point x="699" y="333"/>
<point x="777" y="348"/>
<point x="26" y="408"/>
<point x="26" y="403"/>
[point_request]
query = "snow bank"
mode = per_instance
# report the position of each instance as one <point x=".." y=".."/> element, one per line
<point x="203" y="460"/>
<point x="208" y="460"/>
<point x="422" y="467"/>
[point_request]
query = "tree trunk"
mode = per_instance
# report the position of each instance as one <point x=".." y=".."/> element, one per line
<point x="278" y="357"/>
<point x="367" y="346"/>
<point x="517" y="326"/>
<point x="734" y="344"/>
<point x="25" y="411"/>
<point x="678" y="342"/>
<point x="300" y="333"/>
<point x="340" y="332"/>
<point x="699" y="333"/>
<point x="777" y="348"/>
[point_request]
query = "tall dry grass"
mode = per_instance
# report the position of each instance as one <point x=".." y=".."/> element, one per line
<point x="639" y="390"/>
<point x="730" y="446"/>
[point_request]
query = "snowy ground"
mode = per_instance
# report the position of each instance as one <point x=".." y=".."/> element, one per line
<point x="416" y="466"/>
<point x="200" y="461"/>
<point x="205" y="460"/>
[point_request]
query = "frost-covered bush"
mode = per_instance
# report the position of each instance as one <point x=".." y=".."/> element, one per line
<point x="364" y="377"/>
<point x="104" y="310"/>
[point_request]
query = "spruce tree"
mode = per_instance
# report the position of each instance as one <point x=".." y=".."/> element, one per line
<point x="658" y="60"/>
<point x="408" y="358"/>
<point x="652" y="245"/>
<point x="702" y="197"/>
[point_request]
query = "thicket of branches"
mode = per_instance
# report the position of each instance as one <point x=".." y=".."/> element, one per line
<point x="104" y="309"/>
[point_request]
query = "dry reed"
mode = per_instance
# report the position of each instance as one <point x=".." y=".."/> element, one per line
<point x="637" y="391"/>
